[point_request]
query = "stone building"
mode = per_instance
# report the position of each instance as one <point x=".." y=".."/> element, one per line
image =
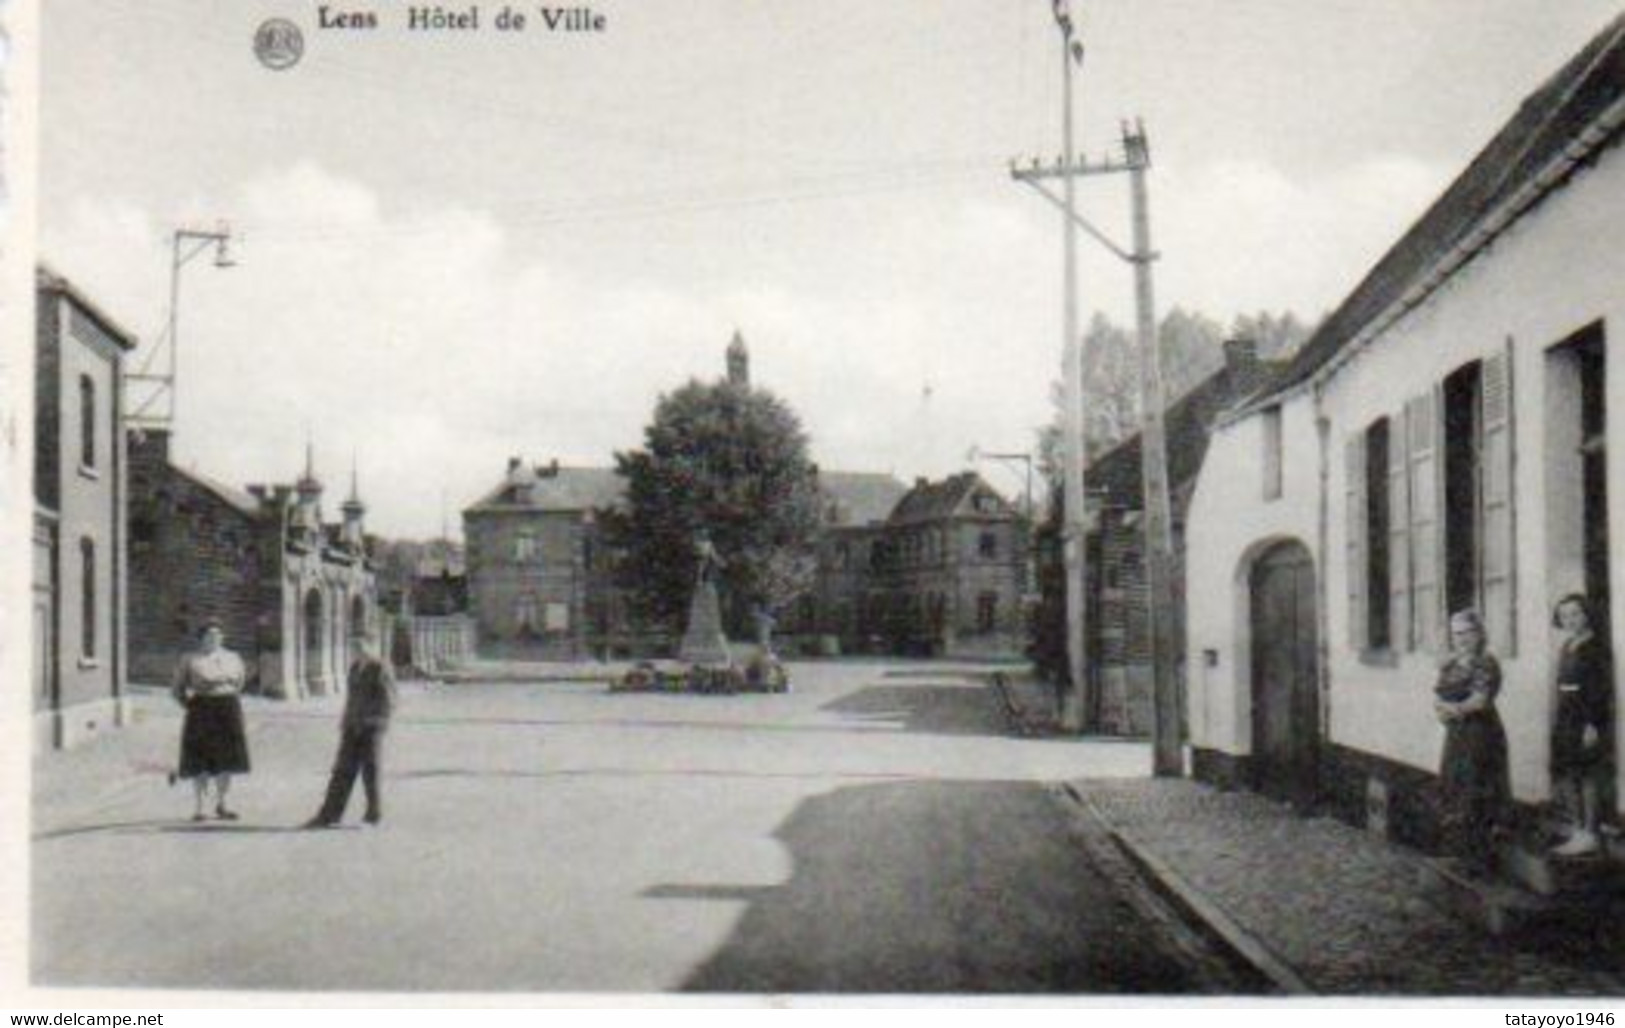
<point x="539" y="585"/>
<point x="542" y="583"/>
<point x="954" y="560"/>
<point x="78" y="545"/>
<point x="1446" y="439"/>
<point x="1119" y="624"/>
<point x="290" y="590"/>
<point x="844" y="611"/>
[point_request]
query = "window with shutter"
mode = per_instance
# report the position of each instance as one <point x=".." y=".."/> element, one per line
<point x="1399" y="524"/>
<point x="1355" y="530"/>
<point x="1499" y="549"/>
<point x="1421" y="429"/>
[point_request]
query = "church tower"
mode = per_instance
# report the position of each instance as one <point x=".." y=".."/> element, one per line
<point x="738" y="361"/>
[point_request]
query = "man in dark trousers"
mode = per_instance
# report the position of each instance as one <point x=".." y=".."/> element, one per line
<point x="369" y="702"/>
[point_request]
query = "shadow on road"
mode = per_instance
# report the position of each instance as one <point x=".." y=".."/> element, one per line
<point x="933" y="708"/>
<point x="933" y="887"/>
<point x="819" y="775"/>
<point x="152" y="826"/>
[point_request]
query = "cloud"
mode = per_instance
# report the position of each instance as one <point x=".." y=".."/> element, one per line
<point x="1242" y="236"/>
<point x="904" y="328"/>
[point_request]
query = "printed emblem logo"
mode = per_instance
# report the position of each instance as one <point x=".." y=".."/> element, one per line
<point x="279" y="44"/>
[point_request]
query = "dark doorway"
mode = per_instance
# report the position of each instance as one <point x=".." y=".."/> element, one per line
<point x="1594" y="471"/>
<point x="315" y="642"/>
<point x="1286" y="689"/>
<point x="1593" y="440"/>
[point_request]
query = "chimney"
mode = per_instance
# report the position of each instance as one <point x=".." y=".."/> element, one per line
<point x="920" y="482"/>
<point x="150" y="443"/>
<point x="1241" y="362"/>
<point x="513" y="464"/>
<point x="1240" y="353"/>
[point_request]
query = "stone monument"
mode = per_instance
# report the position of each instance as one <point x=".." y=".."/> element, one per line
<point x="704" y="643"/>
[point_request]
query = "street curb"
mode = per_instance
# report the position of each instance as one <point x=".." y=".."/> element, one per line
<point x="1012" y="718"/>
<point x="1172" y="886"/>
<point x="460" y="679"/>
<point x="1015" y="718"/>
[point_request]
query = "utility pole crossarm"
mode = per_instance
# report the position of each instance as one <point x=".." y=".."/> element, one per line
<point x="1080" y="221"/>
<point x="1064" y="169"/>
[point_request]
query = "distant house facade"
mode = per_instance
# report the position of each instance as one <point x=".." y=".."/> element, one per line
<point x="79" y="573"/>
<point x="1119" y="616"/>
<point x="1445" y="440"/>
<point x="844" y="611"/>
<point x="539" y="583"/>
<point x="954" y="560"/>
<point x="290" y="591"/>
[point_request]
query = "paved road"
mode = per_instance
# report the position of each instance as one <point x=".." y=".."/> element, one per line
<point x="869" y="832"/>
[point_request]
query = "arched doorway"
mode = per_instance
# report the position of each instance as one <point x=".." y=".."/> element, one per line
<point x="358" y="617"/>
<point x="1285" y="678"/>
<point x="315" y="641"/>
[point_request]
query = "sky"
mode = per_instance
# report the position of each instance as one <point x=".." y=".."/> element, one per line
<point x="458" y="247"/>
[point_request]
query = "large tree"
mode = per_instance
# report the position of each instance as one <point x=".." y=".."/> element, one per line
<point x="729" y="461"/>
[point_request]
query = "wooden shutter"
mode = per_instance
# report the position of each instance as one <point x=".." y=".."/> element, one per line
<point x="1498" y="526"/>
<point x="1425" y="488"/>
<point x="1355" y="527"/>
<point x="1399" y="536"/>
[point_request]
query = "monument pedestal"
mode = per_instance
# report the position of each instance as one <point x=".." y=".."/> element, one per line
<point x="704" y="642"/>
<point x="705" y="662"/>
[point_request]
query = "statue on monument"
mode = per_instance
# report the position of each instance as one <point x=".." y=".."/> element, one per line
<point x="709" y="561"/>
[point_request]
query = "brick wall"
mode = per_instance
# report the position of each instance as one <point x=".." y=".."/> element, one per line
<point x="194" y="557"/>
<point x="1121" y="626"/>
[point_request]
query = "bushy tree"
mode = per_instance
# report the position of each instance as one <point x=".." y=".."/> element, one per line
<point x="1278" y="335"/>
<point x="1192" y="349"/>
<point x="730" y="461"/>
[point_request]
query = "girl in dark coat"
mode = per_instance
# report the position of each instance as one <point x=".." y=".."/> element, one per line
<point x="1475" y="784"/>
<point x="1582" y="737"/>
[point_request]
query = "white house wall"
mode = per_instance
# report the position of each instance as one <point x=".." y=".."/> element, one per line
<point x="1558" y="270"/>
<point x="1230" y="524"/>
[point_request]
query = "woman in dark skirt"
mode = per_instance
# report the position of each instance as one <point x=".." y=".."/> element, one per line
<point x="1475" y="783"/>
<point x="213" y="745"/>
<point x="1582" y="740"/>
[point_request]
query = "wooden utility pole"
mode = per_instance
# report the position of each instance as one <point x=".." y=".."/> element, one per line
<point x="1167" y="704"/>
<point x="1158" y="517"/>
